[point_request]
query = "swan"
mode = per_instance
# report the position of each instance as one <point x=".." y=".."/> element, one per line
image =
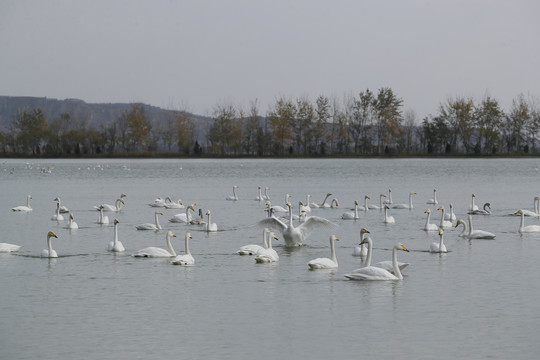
<point x="366" y="206"/>
<point x="324" y="204"/>
<point x="71" y="224"/>
<point x="483" y="211"/>
<point x="150" y="226"/>
<point x="266" y="196"/>
<point x="210" y="226"/>
<point x="260" y="196"/>
<point x="186" y="218"/>
<point x="158" y="202"/>
<point x="334" y="201"/>
<point x="405" y="206"/>
<point x="377" y="273"/>
<point x="451" y="216"/>
<point x="115" y="245"/>
<point x="186" y="259"/>
<point x="169" y="204"/>
<point x="306" y="208"/>
<point x="199" y="220"/>
<point x="351" y="215"/>
<point x="361" y="249"/>
<point x="429" y="226"/>
<point x="295" y="236"/>
<point x="63" y="209"/>
<point x="473" y="206"/>
<point x="269" y="254"/>
<point x="57" y="216"/>
<point x="434" y="200"/>
<point x="5" y="247"/>
<point x="326" y="263"/>
<point x="116" y="208"/>
<point x="438" y="247"/>
<point x="478" y="234"/>
<point x="253" y="249"/>
<point x="49" y="252"/>
<point x="464" y="233"/>
<point x="445" y="224"/>
<point x="233" y="197"/>
<point x="528" y="228"/>
<point x="388" y="219"/>
<point x="152" y="252"/>
<point x="535" y="213"/>
<point x="22" y="207"/>
<point x="389" y="200"/>
<point x="102" y="219"/>
<point x="385" y="264"/>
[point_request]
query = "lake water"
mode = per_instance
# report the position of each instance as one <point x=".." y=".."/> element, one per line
<point x="479" y="300"/>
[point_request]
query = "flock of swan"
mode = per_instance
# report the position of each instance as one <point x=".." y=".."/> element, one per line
<point x="294" y="230"/>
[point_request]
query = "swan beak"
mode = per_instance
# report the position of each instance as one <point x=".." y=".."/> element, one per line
<point x="355" y="202"/>
<point x="123" y="195"/>
<point x="122" y="201"/>
<point x="383" y="195"/>
<point x="173" y="234"/>
<point x="440" y="208"/>
<point x="159" y="213"/>
<point x="116" y="221"/>
<point x="404" y="248"/>
<point x="53" y="234"/>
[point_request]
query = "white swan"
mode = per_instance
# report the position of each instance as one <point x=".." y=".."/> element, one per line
<point x="306" y="208"/>
<point x="478" y="234"/>
<point x="484" y="211"/>
<point x="233" y="197"/>
<point x="102" y="219"/>
<point x="434" y="200"/>
<point x="49" y="252"/>
<point x="334" y="203"/>
<point x="22" y="207"/>
<point x="158" y="202"/>
<point x="388" y="219"/>
<point x="473" y="205"/>
<point x="269" y="254"/>
<point x="326" y="263"/>
<point x="366" y="206"/>
<point x="351" y="215"/>
<point x="324" y="204"/>
<point x="116" y="208"/>
<point x="185" y="218"/>
<point x="260" y="196"/>
<point x="450" y="216"/>
<point x="116" y="245"/>
<point x="5" y="247"/>
<point x="405" y="206"/>
<point x="535" y="213"/>
<point x="150" y="226"/>
<point x="377" y="273"/>
<point x="266" y="196"/>
<point x="63" y="209"/>
<point x="71" y="224"/>
<point x="253" y="249"/>
<point x="152" y="252"/>
<point x="57" y="216"/>
<point x="385" y="264"/>
<point x="170" y="204"/>
<point x="186" y="259"/>
<point x="464" y="233"/>
<point x="438" y="247"/>
<point x="444" y="224"/>
<point x="429" y="226"/>
<point x="210" y="226"/>
<point x="361" y="249"/>
<point x="198" y="221"/>
<point x="295" y="236"/>
<point x="380" y="206"/>
<point x="389" y="200"/>
<point x="528" y="228"/>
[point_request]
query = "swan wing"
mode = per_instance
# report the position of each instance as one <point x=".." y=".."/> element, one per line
<point x="5" y="247"/>
<point x="147" y="226"/>
<point x="322" y="263"/>
<point x="185" y="260"/>
<point x="312" y="223"/>
<point x="251" y="249"/>
<point x="387" y="265"/>
<point x="371" y="273"/>
<point x="179" y="218"/>
<point x="152" y="252"/>
<point x="273" y="223"/>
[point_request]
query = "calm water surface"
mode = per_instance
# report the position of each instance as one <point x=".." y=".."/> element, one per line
<point x="478" y="301"/>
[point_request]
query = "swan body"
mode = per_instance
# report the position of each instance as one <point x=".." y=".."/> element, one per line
<point x="150" y="226"/>
<point x="233" y="197"/>
<point x="374" y="273"/>
<point x="116" y="245"/>
<point x="169" y="204"/>
<point x="450" y="216"/>
<point x="71" y="224"/>
<point x="476" y="234"/>
<point x="484" y="211"/>
<point x="210" y="226"/>
<point x="57" y="216"/>
<point x="361" y="249"/>
<point x="351" y="215"/>
<point x="102" y="219"/>
<point x="158" y="202"/>
<point x="254" y="249"/>
<point x="269" y="254"/>
<point x="434" y="200"/>
<point x="429" y="226"/>
<point x="408" y="206"/>
<point x="199" y="220"/>
<point x="473" y="205"/>
<point x="153" y="252"/>
<point x="116" y="208"/>
<point x="438" y="247"/>
<point x="324" y="204"/>
<point x="186" y="259"/>
<point x="5" y="247"/>
<point x="444" y="224"/>
<point x="528" y="228"/>
<point x="388" y="219"/>
<point x="49" y="252"/>
<point x="295" y="236"/>
<point x="326" y="263"/>
<point x="306" y="208"/>
<point x="23" y="208"/>
<point x="185" y="218"/>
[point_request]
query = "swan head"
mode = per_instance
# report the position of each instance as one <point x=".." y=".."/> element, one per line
<point x="29" y="196"/>
<point x="122" y="201"/>
<point x="51" y="234"/>
<point x="56" y="199"/>
<point x="473" y="195"/>
<point x="451" y="205"/>
<point x="427" y="211"/>
<point x="519" y="212"/>
<point x="159" y="213"/>
<point x="389" y="190"/>
<point x="441" y="208"/>
<point x="334" y="238"/>
<point x="367" y="197"/>
<point x="188" y="236"/>
<point x="413" y="193"/>
<point x="171" y="234"/>
<point x="386" y="207"/>
<point x="400" y="246"/>
<point x="364" y="231"/>
<point x="355" y="202"/>
<point x="122" y="195"/>
<point x="116" y="221"/>
<point x="71" y="216"/>
<point x="192" y="207"/>
<point x="440" y="232"/>
<point x="289" y="205"/>
<point x="459" y="222"/>
<point x="382" y="195"/>
<point x="487" y="205"/>
<point x="207" y="212"/>
<point x="300" y="203"/>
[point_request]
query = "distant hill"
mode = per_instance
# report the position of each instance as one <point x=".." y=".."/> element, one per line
<point x="93" y="114"/>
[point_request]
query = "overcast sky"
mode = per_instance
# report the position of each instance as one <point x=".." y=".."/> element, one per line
<point x="194" y="55"/>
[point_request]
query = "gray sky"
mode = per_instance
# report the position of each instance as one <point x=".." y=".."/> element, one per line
<point x="196" y="54"/>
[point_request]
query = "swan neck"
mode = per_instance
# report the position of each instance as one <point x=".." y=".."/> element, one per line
<point x="169" y="246"/>
<point x="333" y="250"/>
<point x="28" y="202"/>
<point x="356" y="210"/>
<point x="369" y="251"/>
<point x="326" y="198"/>
<point x="470" y="225"/>
<point x="115" y="234"/>
<point x="440" y="242"/>
<point x="428" y="217"/>
<point x="522" y="223"/>
<point x="410" y="201"/>
<point x="187" y="245"/>
<point x="49" y="245"/>
<point x="118" y="204"/>
<point x="365" y="204"/>
<point x="397" y="272"/>
<point x="290" y="216"/>
<point x="265" y="242"/>
<point x="157" y="221"/>
<point x="188" y="214"/>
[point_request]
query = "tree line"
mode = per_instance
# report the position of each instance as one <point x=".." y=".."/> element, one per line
<point x="371" y="123"/>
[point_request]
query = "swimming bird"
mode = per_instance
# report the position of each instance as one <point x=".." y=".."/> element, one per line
<point x="408" y="206"/>
<point x="57" y="216"/>
<point x="484" y="211"/>
<point x="351" y="215"/>
<point x="210" y="226"/>
<point x="385" y="264"/>
<point x="444" y="224"/>
<point x="528" y="228"/>
<point x="474" y="234"/>
<point x="6" y="247"/>
<point x="71" y="223"/>
<point x="306" y="208"/>
<point x="63" y="209"/>
<point x="116" y="245"/>
<point x="116" y="208"/>
<point x="324" y="204"/>
<point x="450" y="216"/>
<point x="361" y="249"/>
<point x="186" y="259"/>
<point x="260" y="196"/>
<point x="269" y="254"/>
<point x="380" y="206"/>
<point x="266" y="195"/>
<point x="198" y="220"/>
<point x="23" y="208"/>
<point x="388" y="219"/>
<point x="170" y="204"/>
<point x="49" y="252"/>
<point x="429" y="226"/>
<point x="376" y="273"/>
<point x="153" y="252"/>
<point x="186" y="218"/>
<point x="438" y="247"/>
<point x="535" y="213"/>
<point x="434" y="200"/>
<point x="473" y="205"/>
<point x="389" y="200"/>
<point x="150" y="226"/>
<point x="102" y="219"/>
<point x="233" y="197"/>
<point x="253" y="249"/>
<point x="326" y="263"/>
